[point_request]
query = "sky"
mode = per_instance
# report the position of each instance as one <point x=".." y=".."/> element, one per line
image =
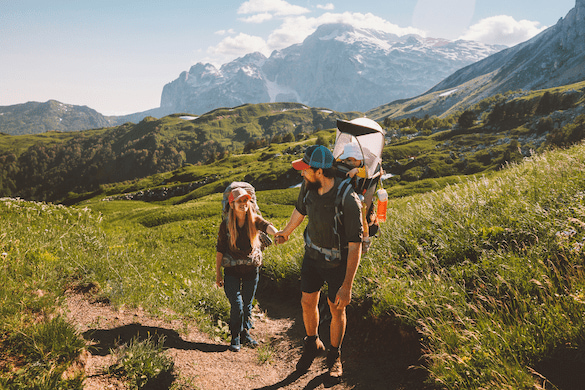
<point x="115" y="56"/>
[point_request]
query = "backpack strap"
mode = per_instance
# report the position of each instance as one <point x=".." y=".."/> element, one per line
<point x="344" y="188"/>
<point x="333" y="254"/>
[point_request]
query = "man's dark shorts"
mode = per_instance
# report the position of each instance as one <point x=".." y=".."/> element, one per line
<point x="313" y="277"/>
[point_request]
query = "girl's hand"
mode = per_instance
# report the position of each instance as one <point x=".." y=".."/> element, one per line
<point x="218" y="280"/>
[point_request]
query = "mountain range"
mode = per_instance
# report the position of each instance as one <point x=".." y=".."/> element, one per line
<point x="338" y="66"/>
<point x="553" y="58"/>
<point x="349" y="69"/>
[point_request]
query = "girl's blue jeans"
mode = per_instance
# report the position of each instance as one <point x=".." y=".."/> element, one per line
<point x="240" y="290"/>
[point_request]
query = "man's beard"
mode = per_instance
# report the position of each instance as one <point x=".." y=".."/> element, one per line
<point x="312" y="185"/>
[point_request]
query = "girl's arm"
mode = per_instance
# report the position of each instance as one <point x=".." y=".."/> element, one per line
<point x="218" y="277"/>
<point x="271" y="230"/>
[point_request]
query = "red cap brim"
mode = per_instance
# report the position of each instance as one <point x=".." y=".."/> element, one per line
<point x="231" y="197"/>
<point x="300" y="165"/>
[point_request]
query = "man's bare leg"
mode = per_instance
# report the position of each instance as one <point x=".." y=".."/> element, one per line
<point x="337" y="332"/>
<point x="313" y="345"/>
<point x="310" y="304"/>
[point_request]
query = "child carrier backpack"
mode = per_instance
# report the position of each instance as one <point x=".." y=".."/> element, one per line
<point x="265" y="239"/>
<point x="359" y="144"/>
<point x="362" y="139"/>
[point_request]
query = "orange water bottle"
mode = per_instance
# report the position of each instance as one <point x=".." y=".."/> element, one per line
<point x="382" y="204"/>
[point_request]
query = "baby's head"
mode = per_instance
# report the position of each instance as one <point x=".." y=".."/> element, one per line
<point x="352" y="162"/>
<point x="352" y="155"/>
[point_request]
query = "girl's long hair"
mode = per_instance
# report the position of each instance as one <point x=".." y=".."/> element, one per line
<point x="250" y="222"/>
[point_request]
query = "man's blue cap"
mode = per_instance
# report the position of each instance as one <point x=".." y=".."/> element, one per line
<point x="316" y="156"/>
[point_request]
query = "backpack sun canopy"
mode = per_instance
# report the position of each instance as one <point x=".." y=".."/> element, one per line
<point x="368" y="135"/>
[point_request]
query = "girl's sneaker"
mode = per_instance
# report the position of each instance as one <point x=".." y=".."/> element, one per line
<point x="235" y="344"/>
<point x="248" y="340"/>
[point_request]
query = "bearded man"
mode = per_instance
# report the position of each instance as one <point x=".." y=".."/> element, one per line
<point x="332" y="252"/>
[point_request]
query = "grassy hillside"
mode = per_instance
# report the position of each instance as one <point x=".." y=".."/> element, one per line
<point x="497" y="131"/>
<point x="485" y="137"/>
<point x="488" y="271"/>
<point x="48" y="167"/>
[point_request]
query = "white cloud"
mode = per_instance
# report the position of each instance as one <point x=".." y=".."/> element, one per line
<point x="296" y="29"/>
<point x="293" y="30"/>
<point x="238" y="46"/>
<point x="258" y="18"/>
<point x="225" y="32"/>
<point x="277" y="7"/>
<point x="502" y="30"/>
<point x="327" y="7"/>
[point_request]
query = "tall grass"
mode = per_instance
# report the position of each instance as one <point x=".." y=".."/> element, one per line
<point x="161" y="258"/>
<point x="488" y="270"/>
<point x="39" y="245"/>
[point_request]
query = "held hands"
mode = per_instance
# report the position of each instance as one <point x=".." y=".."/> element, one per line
<point x="280" y="238"/>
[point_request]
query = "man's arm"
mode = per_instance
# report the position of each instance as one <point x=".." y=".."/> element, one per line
<point x="295" y="220"/>
<point x="353" y="261"/>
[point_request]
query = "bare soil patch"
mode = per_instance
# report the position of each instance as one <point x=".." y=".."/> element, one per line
<point x="374" y="357"/>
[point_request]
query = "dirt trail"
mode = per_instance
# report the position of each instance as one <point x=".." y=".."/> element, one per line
<point x="371" y="360"/>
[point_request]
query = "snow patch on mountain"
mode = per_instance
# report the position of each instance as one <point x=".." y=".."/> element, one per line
<point x="339" y="67"/>
<point x="277" y="91"/>
<point x="451" y="92"/>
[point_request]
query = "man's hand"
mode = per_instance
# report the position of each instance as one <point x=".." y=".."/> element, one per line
<point x="343" y="297"/>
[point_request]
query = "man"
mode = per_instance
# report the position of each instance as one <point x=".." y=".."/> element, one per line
<point x="324" y="260"/>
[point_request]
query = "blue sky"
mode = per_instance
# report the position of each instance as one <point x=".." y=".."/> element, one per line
<point x="115" y="56"/>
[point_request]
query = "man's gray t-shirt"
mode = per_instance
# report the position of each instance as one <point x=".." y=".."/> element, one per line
<point x="321" y="212"/>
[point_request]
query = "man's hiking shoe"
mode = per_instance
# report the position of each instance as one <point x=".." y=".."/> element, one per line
<point x="235" y="344"/>
<point x="313" y="348"/>
<point x="334" y="363"/>
<point x="248" y="340"/>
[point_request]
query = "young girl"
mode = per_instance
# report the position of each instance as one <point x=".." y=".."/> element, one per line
<point x="239" y="252"/>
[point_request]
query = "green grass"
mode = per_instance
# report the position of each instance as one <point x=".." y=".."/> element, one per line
<point x="140" y="362"/>
<point x="265" y="354"/>
<point x="40" y="246"/>
<point x="487" y="269"/>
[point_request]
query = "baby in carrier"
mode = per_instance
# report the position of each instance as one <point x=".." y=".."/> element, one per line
<point x="351" y="164"/>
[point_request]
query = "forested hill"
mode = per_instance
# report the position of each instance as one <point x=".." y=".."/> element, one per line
<point x="504" y="128"/>
<point x="49" y="167"/>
